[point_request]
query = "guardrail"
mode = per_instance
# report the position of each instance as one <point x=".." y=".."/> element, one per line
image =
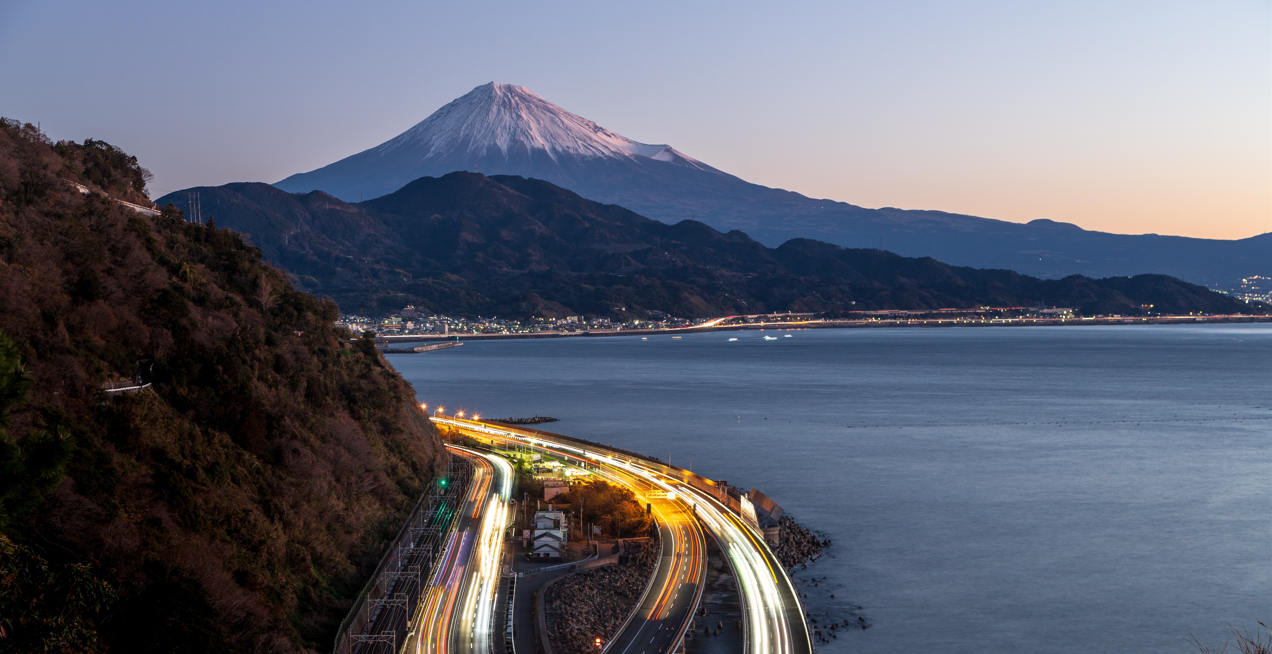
<point x="510" y="633"/>
<point x="135" y="207"/>
<point x="739" y="504"/>
<point x="729" y="504"/>
<point x="126" y="389"/>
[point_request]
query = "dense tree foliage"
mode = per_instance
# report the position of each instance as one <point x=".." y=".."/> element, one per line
<point x="106" y="167"/>
<point x="45" y="608"/>
<point x="466" y="244"/>
<point x="239" y="501"/>
<point x="612" y="508"/>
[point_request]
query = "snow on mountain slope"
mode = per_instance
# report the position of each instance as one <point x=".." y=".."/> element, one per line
<point x="502" y="129"/>
<point x="511" y="118"/>
<point x="493" y="129"/>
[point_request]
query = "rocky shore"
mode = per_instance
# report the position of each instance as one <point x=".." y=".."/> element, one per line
<point x="593" y="604"/>
<point x="796" y="545"/>
<point x="537" y="420"/>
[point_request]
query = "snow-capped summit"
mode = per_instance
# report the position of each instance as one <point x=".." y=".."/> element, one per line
<point x="511" y="119"/>
<point x="501" y="129"/>
<point x="493" y="129"/>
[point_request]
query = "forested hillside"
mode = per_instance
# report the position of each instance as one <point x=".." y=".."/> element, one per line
<point x="236" y="503"/>
<point x="465" y="244"/>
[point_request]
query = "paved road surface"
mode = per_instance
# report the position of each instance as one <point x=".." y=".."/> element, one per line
<point x="455" y="616"/>
<point x="774" y="616"/>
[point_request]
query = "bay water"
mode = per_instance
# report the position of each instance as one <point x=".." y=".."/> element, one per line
<point x="1042" y="489"/>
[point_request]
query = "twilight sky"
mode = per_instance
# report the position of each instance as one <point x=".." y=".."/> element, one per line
<point x="1128" y="117"/>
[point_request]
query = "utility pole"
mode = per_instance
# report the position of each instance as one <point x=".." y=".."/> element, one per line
<point x="195" y="213"/>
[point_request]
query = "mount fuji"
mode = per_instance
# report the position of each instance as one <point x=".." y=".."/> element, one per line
<point x="502" y="129"/>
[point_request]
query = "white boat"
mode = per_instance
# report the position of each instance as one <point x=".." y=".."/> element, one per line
<point x="786" y="336"/>
<point x="732" y="339"/>
<point x="770" y="338"/>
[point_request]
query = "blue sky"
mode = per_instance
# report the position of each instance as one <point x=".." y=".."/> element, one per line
<point x="1129" y="117"/>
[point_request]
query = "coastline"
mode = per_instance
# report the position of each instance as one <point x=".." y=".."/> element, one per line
<point x="839" y="324"/>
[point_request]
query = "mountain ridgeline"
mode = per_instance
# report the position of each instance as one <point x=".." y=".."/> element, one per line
<point x="238" y="496"/>
<point x="466" y="244"/>
<point x="503" y="129"/>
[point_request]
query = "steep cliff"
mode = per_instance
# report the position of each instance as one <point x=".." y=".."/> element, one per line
<point x="238" y="501"/>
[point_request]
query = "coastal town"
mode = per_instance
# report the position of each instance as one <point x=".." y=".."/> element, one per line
<point x="411" y="324"/>
<point x="636" y="328"/>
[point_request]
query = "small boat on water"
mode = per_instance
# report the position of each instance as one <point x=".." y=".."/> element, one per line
<point x="732" y="339"/>
<point x="786" y="336"/>
<point x="770" y="338"/>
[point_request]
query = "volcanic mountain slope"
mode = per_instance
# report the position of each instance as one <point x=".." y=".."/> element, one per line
<point x="495" y="128"/>
<point x="237" y="503"/>
<point x="508" y="130"/>
<point x="516" y="247"/>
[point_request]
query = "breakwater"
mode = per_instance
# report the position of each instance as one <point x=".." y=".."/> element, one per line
<point x="432" y="347"/>
<point x="537" y="420"/>
<point x="796" y="545"/>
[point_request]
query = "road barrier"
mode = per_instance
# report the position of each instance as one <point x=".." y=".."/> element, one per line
<point x="773" y="610"/>
<point x="737" y="501"/>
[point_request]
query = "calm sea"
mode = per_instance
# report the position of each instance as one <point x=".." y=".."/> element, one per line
<point x="1100" y="489"/>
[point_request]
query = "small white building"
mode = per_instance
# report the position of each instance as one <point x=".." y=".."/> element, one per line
<point x="554" y="487"/>
<point x="548" y="539"/>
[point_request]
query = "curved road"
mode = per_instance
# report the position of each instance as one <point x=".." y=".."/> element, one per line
<point x="455" y="615"/>
<point x="774" y="616"/>
<point x="664" y="613"/>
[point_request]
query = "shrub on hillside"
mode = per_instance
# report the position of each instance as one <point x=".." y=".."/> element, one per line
<point x="238" y="502"/>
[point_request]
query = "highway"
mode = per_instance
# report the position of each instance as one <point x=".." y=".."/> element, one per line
<point x="774" y="617"/>
<point x="664" y="613"/>
<point x="456" y="613"/>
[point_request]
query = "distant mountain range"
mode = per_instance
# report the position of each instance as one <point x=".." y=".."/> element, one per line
<point x="500" y="129"/>
<point x="466" y="244"/>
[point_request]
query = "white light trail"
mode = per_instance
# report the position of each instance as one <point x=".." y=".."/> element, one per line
<point x="768" y="624"/>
